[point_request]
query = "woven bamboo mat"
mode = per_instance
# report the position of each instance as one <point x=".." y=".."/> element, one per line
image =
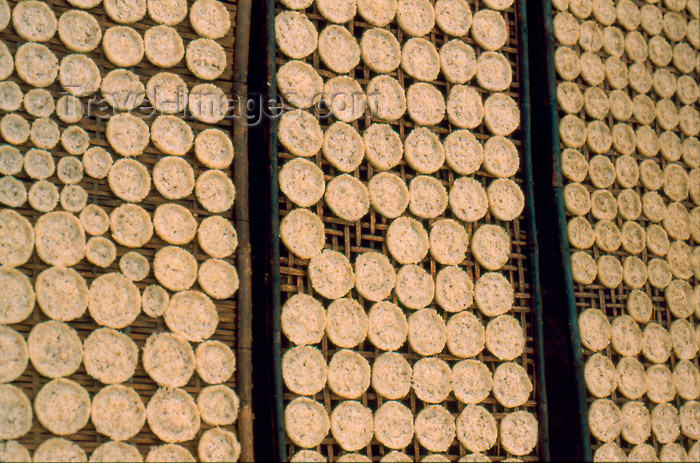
<point x="100" y="194"/>
<point x="353" y="239"/>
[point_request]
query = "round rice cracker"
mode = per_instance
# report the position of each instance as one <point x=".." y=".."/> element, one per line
<point x="134" y="266"/>
<point x="380" y="50"/>
<point x="206" y="59"/>
<point x="131" y="225"/>
<point x="210" y="19"/>
<point x="476" y="429"/>
<point x="118" y="412"/>
<point x="415" y="17"/>
<point x="632" y="382"/>
<point x="16" y="415"/>
<point x="114" y="301"/>
<point x="61" y="293"/>
<point x="123" y="46"/>
<point x="489" y="29"/>
<point x="506" y="199"/>
<point x="407" y="240"/>
<point x="383" y="146"/>
<point x="378" y="13"/>
<point x="427" y="333"/>
<point x="97" y="162"/>
<point x="679" y="298"/>
<point x="299" y="132"/>
<point x="393" y="425"/>
<point x="173" y="415"/>
<point x="468" y="200"/>
<point x="163" y="46"/>
<point x="491" y="246"/>
<point x="127" y="12"/>
<point x="36" y="65"/>
<point x="15" y="355"/>
<point x="660" y="387"/>
<point x="169" y="452"/>
<point x="454" y="17"/>
<point x="435" y="428"/>
<point x="79" y="75"/>
<point x="16" y="239"/>
<point x="425" y="104"/>
<point x="11" y="160"/>
<point x="471" y="381"/>
<point x="348" y="374"/>
<point x="14" y="129"/>
<point x="175" y="268"/>
<point x="174" y="224"/>
<point x="346" y="100"/>
<point x="8" y="63"/>
<point x="347" y="197"/>
<point x="448" y="242"/>
<point x="172" y="135"/>
<point x="12" y="450"/>
<point x="388" y="327"/>
<point x="458" y="61"/>
<point x="338" y="49"/>
<point x="34" y="21"/>
<point x="689" y="416"/>
<point x="60" y="239"/>
<point x="218" y="278"/>
<point x="386" y="99"/>
<point x="62" y="406"/>
<point x="464" y="107"/>
<point x="44" y="133"/>
<point x="295" y="35"/>
<point x="217" y="237"/>
<point x="569" y="97"/>
<point x="493" y="72"/>
<point x="218" y="445"/>
<point x="127" y="134"/>
<point x="343" y="147"/>
<point x="214" y="149"/>
<point x="79" y="31"/>
<point x="57" y="448"/>
<point x="192" y="315"/>
<point x="501" y="114"/>
<point x="303" y="320"/>
<point x="110" y="356"/>
<point x="673" y="452"/>
<point x="391" y="376"/>
<point x="505" y="338"/>
<point x="431" y="380"/>
<point x="595" y="329"/>
<point x="116" y="451"/>
<point x="173" y="177"/>
<point x="388" y="194"/>
<point x="168" y="94"/>
<point x="13" y="193"/>
<point x="303" y="233"/>
<point x="604" y="420"/>
<point x="346" y="323"/>
<point x="331" y="274"/>
<point x="466" y="336"/>
<point x="215" y="191"/>
<point x="6" y="15"/>
<point x="463" y="152"/>
<point x="301" y="85"/>
<point x="168" y="359"/>
<point x="100" y="251"/>
<point x="428" y="197"/>
<point x="684" y="342"/>
<point x="414" y="287"/>
<point x="665" y="423"/>
<point x="423" y="151"/>
<point x="73" y="198"/>
<point x="511" y="385"/>
<point x="170" y="12"/>
<point x="374" y="276"/>
<point x="215" y="362"/>
<point x="493" y="294"/>
<point x="208" y="103"/>
<point x="420" y="59"/>
<point x="306" y="422"/>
